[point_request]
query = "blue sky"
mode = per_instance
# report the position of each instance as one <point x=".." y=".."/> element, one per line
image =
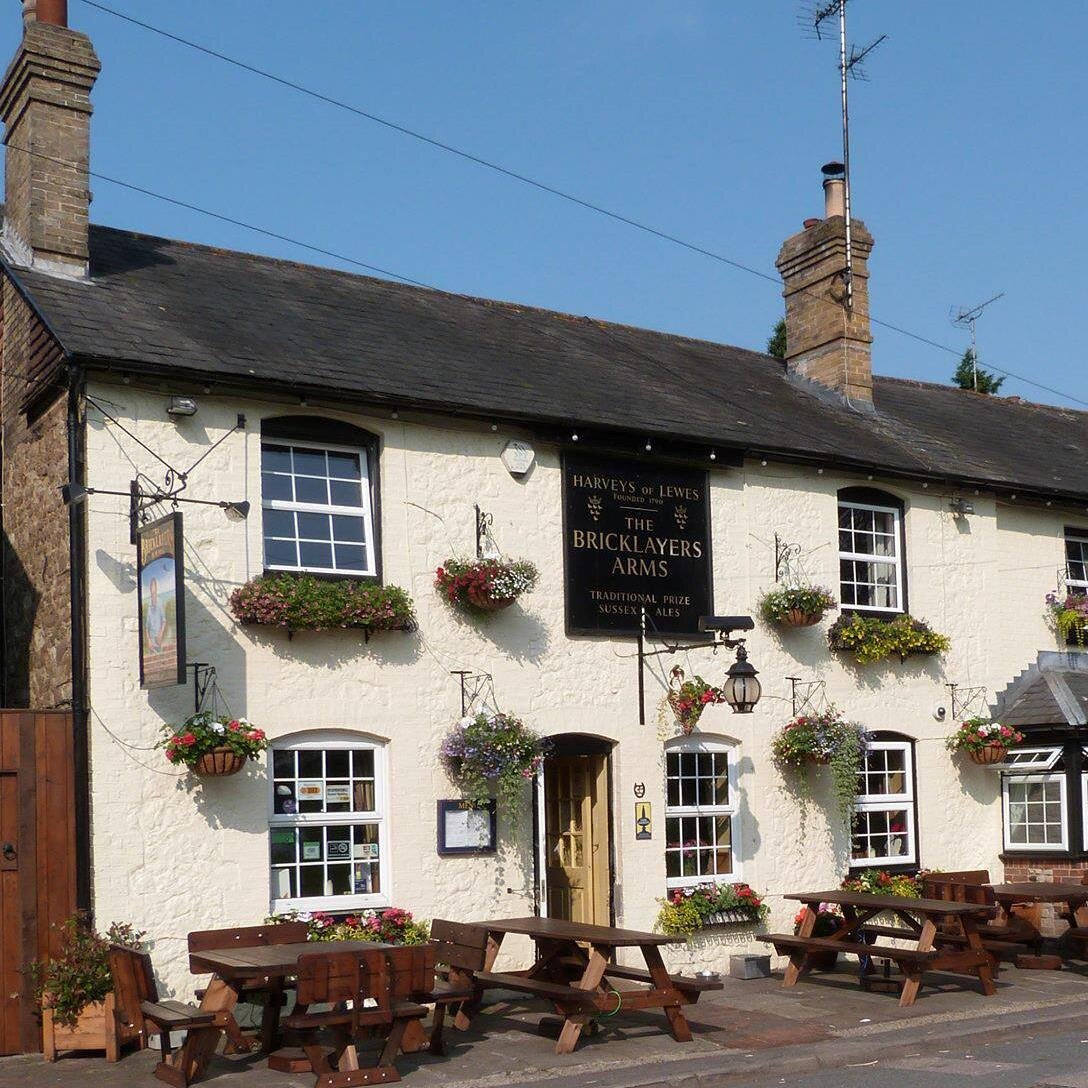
<point x="706" y="118"/>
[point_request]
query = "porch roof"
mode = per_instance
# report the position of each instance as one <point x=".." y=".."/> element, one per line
<point x="1051" y="693"/>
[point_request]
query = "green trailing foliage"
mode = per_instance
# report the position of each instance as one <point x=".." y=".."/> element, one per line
<point x="301" y="602"/>
<point x="871" y="638"/>
<point x="79" y="975"/>
<point x="687" y="910"/>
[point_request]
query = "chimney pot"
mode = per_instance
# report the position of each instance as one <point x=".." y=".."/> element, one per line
<point x="45" y="11"/>
<point x="834" y="197"/>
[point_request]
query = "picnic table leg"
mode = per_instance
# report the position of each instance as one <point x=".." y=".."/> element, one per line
<point x="191" y="1061"/>
<point x="678" y="1023"/>
<point x="914" y="975"/>
<point x="468" y="1009"/>
<point x="1079" y="912"/>
<point x="985" y="969"/>
<point x="590" y="980"/>
<point x="270" y="1018"/>
<point x="415" y="1038"/>
<point x="799" y="958"/>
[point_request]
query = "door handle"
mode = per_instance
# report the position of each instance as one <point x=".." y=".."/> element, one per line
<point x="8" y="851"/>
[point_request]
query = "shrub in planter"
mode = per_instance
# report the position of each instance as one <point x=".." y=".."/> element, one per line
<point x="390" y="925"/>
<point x="689" y="698"/>
<point x="984" y="740"/>
<point x="796" y="606"/>
<point x="687" y="910"/>
<point x="212" y="745"/>
<point x="870" y="638"/>
<point x="1068" y="614"/>
<point x="879" y="882"/>
<point x="480" y="586"/>
<point x="492" y="753"/>
<point x="301" y="602"/>
<point x="828" y="738"/>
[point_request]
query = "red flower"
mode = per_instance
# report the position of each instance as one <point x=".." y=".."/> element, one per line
<point x="188" y="740"/>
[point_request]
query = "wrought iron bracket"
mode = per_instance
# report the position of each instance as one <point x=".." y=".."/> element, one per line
<point x="803" y="695"/>
<point x="484" y="522"/>
<point x="784" y="554"/>
<point x="966" y="701"/>
<point x="473" y="684"/>
<point x="203" y="679"/>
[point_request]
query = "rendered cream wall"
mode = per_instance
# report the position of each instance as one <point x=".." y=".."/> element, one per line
<point x="172" y="856"/>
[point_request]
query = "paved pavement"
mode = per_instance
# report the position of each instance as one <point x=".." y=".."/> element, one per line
<point x="824" y="1032"/>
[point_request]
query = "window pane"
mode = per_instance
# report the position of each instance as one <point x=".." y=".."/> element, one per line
<point x="280" y="553"/>
<point x="279" y="523"/>
<point x="310" y="764"/>
<point x="309" y="462"/>
<point x="314" y="526"/>
<point x="345" y="494"/>
<point x="338" y="764"/>
<point x="275" y="458"/>
<point x="347" y="530"/>
<point x="275" y="487"/>
<point x="345" y="466"/>
<point x="310" y="490"/>
<point x="312" y="880"/>
<point x="283" y="764"/>
<point x="315" y="555"/>
<point x="350" y="557"/>
<point x="364" y="763"/>
<point x="363" y="797"/>
<point x="672" y="792"/>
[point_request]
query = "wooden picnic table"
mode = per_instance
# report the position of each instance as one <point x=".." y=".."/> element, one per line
<point x="1074" y="896"/>
<point x="230" y="968"/>
<point x="573" y="970"/>
<point x="942" y="936"/>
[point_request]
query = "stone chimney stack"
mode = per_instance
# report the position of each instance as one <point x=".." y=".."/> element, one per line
<point x="826" y="342"/>
<point x="46" y="108"/>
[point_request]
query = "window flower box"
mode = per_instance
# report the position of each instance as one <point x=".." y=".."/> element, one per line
<point x="305" y="603"/>
<point x="688" y="910"/>
<point x="872" y="638"/>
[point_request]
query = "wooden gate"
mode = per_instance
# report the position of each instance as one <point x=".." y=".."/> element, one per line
<point x="37" y="858"/>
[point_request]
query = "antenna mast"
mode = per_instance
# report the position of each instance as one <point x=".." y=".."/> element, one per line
<point x="850" y="64"/>
<point x="967" y="319"/>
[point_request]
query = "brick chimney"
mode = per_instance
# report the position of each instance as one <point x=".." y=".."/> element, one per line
<point x="46" y="108"/>
<point x="826" y="342"/>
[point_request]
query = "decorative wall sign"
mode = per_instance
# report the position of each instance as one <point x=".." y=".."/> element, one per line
<point x="640" y="789"/>
<point x="160" y="579"/>
<point x="636" y="535"/>
<point x="644" y="828"/>
<point x="467" y="827"/>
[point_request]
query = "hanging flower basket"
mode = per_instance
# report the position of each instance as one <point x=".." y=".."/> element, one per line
<point x="689" y="698"/>
<point x="796" y="606"/>
<point x="219" y="761"/>
<point x="986" y="742"/>
<point x="480" y="586"/>
<point x="992" y="753"/>
<point x="212" y="745"/>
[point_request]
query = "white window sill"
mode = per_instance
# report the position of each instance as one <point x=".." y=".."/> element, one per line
<point x="331" y="904"/>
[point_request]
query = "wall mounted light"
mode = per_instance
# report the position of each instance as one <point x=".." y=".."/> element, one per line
<point x="960" y="507"/>
<point x="742" y="689"/>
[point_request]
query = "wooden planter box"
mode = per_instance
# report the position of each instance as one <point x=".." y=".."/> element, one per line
<point x="95" y="1030"/>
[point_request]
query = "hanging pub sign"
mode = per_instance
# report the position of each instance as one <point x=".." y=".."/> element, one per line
<point x="636" y="535"/>
<point x="160" y="568"/>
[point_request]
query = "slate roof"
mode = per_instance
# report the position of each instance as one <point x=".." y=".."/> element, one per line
<point x="159" y="306"/>
<point x="1051" y="693"/>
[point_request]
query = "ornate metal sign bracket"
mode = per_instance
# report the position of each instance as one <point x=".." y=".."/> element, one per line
<point x="484" y="522"/>
<point x="967" y="702"/>
<point x="473" y="685"/>
<point x="806" y="696"/>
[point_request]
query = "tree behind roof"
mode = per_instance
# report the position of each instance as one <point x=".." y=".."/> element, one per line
<point x="776" y="345"/>
<point x="964" y="377"/>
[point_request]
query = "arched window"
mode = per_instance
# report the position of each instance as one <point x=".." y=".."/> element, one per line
<point x="872" y="563"/>
<point x="327" y="823"/>
<point x="319" y="497"/>
<point x="701" y="824"/>
<point x="885" y="830"/>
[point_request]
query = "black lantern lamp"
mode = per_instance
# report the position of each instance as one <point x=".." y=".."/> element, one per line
<point x="741" y="688"/>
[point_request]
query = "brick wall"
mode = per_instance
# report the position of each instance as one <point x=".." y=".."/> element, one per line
<point x="1051" y="871"/>
<point x="37" y="615"/>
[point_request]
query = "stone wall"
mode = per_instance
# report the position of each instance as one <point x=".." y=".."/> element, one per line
<point x="37" y="616"/>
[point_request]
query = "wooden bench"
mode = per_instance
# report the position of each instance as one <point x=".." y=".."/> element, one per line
<point x="688" y="985"/>
<point x="459" y="953"/>
<point x="1002" y="948"/>
<point x="139" y="1012"/>
<point x="912" y="956"/>
<point x="556" y="992"/>
<point x="344" y="981"/>
<point x="969" y="886"/>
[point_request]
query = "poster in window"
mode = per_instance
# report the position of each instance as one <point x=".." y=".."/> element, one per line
<point x="160" y="579"/>
<point x="635" y="535"/>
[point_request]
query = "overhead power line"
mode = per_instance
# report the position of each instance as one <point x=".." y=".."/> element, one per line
<point x="488" y="164"/>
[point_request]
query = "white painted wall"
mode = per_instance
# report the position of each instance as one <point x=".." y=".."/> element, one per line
<point x="171" y="855"/>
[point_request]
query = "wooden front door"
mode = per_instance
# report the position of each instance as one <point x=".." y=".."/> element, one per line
<point x="576" y="838"/>
<point x="37" y="859"/>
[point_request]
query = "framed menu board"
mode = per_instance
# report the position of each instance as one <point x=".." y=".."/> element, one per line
<point x="467" y="827"/>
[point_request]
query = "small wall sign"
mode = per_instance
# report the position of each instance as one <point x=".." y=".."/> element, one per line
<point x="643" y="821"/>
<point x="467" y="827"/>
<point x="518" y="457"/>
<point x="640" y="789"/>
<point x="311" y="790"/>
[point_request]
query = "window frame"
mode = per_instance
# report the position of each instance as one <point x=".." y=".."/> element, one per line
<point x="1079" y="536"/>
<point x="850" y="499"/>
<point x="887" y="802"/>
<point x="1062" y="778"/>
<point x="697" y="744"/>
<point x="1038" y="765"/>
<point x="335" y="740"/>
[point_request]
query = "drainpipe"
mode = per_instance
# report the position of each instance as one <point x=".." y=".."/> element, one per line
<point x="77" y="560"/>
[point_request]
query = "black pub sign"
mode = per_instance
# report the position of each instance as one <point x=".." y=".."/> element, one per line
<point x="636" y="535"/>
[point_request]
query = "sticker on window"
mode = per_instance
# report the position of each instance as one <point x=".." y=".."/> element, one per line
<point x="338" y="793"/>
<point x="339" y="849"/>
<point x="311" y="790"/>
<point x="311" y="851"/>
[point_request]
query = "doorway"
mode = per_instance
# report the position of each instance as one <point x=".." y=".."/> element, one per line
<point x="576" y="842"/>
